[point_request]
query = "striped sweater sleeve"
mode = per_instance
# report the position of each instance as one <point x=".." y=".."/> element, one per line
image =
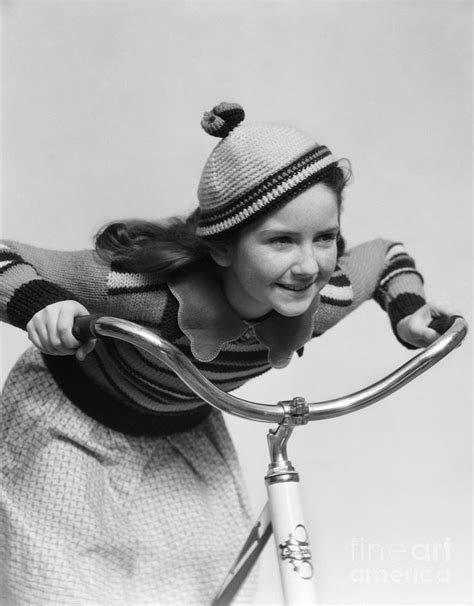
<point x="32" y="278"/>
<point x="384" y="271"/>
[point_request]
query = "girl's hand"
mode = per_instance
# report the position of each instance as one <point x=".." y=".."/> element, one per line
<point x="414" y="329"/>
<point x="50" y="330"/>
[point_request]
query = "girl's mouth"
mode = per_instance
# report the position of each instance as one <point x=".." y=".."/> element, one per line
<point x="296" y="287"/>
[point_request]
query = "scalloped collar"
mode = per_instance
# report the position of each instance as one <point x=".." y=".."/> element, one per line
<point x="209" y="322"/>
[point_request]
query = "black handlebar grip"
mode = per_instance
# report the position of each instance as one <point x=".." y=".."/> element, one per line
<point x="84" y="327"/>
<point x="442" y="324"/>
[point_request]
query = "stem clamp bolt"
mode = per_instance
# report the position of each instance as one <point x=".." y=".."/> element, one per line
<point x="296" y="411"/>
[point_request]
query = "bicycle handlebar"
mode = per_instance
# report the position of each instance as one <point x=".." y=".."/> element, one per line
<point x="454" y="329"/>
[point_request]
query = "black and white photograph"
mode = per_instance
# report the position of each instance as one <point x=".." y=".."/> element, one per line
<point x="235" y="302"/>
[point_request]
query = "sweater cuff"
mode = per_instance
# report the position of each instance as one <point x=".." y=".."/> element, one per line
<point x="402" y="306"/>
<point x="32" y="297"/>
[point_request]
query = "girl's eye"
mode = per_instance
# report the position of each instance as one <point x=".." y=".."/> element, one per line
<point x="330" y="237"/>
<point x="287" y="240"/>
<point x="280" y="240"/>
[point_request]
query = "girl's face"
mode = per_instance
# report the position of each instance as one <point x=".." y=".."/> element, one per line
<point x="282" y="261"/>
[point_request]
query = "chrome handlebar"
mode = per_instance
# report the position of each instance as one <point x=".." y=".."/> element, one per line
<point x="104" y="326"/>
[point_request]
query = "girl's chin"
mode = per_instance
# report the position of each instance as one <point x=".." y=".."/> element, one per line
<point x="296" y="307"/>
<point x="291" y="311"/>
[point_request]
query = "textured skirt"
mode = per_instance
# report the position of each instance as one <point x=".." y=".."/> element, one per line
<point x="92" y="516"/>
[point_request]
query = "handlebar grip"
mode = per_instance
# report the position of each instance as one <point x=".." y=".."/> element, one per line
<point x="443" y="323"/>
<point x="84" y="327"/>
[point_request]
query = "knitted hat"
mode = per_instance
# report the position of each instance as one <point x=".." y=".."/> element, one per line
<point x="254" y="169"/>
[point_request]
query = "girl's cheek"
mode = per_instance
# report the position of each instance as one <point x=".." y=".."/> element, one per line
<point x="329" y="263"/>
<point x="327" y="252"/>
<point x="272" y="265"/>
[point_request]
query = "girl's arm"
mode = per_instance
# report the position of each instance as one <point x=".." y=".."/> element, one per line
<point x="32" y="278"/>
<point x="383" y="270"/>
<point x="41" y="291"/>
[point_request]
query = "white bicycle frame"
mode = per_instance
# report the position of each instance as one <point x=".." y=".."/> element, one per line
<point x="282" y="515"/>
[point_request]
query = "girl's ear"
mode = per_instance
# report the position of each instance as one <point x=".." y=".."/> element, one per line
<point x="222" y="255"/>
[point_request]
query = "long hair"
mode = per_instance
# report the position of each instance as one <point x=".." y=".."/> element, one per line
<point x="170" y="246"/>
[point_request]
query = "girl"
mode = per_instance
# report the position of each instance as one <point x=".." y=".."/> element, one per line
<point x="118" y="486"/>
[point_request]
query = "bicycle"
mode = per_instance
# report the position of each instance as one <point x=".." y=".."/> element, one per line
<point x="282" y="515"/>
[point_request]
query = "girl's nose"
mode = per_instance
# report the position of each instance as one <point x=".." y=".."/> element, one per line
<point x="306" y="263"/>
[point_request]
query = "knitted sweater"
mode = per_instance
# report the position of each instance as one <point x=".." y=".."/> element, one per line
<point x="128" y="389"/>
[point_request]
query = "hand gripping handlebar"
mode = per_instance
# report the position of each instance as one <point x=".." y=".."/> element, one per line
<point x="454" y="330"/>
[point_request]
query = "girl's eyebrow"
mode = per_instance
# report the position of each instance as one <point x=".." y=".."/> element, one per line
<point x="282" y="230"/>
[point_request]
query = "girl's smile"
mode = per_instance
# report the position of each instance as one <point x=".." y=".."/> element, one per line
<point x="282" y="261"/>
<point x="296" y="287"/>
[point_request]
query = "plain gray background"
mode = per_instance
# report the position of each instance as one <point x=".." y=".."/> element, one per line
<point x="101" y="104"/>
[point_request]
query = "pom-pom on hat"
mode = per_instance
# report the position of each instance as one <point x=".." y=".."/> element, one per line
<point x="255" y="168"/>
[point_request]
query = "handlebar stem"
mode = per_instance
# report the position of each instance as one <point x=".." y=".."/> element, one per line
<point x="280" y="468"/>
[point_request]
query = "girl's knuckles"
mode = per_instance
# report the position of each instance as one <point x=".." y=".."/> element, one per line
<point x="64" y="332"/>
